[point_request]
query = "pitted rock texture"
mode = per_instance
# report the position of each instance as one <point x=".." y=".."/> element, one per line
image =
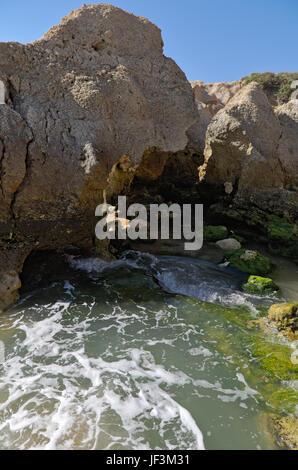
<point x="210" y="98"/>
<point x="93" y="89"/>
<point x="288" y="143"/>
<point x="11" y="263"/>
<point x="251" y="152"/>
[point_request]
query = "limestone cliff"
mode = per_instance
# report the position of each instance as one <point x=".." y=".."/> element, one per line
<point x="93" y="89"/>
<point x="251" y="148"/>
<point x="209" y="98"/>
<point x="94" y="108"/>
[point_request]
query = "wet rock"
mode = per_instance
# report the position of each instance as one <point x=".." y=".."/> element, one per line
<point x="11" y="264"/>
<point x="280" y="233"/>
<point x="249" y="261"/>
<point x="286" y="431"/>
<point x="229" y="244"/>
<point x="285" y="317"/>
<point x="9" y="286"/>
<point x="209" y="253"/>
<point x="212" y="233"/>
<point x="260" y="286"/>
<point x="283" y="236"/>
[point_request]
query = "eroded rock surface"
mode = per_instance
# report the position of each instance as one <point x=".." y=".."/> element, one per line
<point x="11" y="263"/>
<point x="251" y="152"/>
<point x="94" y="109"/>
<point x="286" y="431"/>
<point x="93" y="89"/>
<point x="209" y="98"/>
<point x="285" y="317"/>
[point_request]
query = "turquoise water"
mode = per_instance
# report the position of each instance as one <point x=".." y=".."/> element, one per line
<point x="113" y="356"/>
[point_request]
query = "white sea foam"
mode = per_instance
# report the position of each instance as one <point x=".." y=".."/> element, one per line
<point x="55" y="411"/>
<point x="91" y="371"/>
<point x="201" y="351"/>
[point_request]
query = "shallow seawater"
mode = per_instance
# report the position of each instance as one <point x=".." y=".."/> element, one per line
<point x="130" y="355"/>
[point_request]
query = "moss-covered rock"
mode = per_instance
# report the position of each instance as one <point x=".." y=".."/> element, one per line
<point x="280" y="233"/>
<point x="213" y="233"/>
<point x="249" y="261"/>
<point x="286" y="431"/>
<point x="238" y="237"/>
<point x="275" y="360"/>
<point x="269" y="369"/>
<point x="283" y="236"/>
<point x="260" y="285"/>
<point x="285" y="317"/>
<point x="280" y="229"/>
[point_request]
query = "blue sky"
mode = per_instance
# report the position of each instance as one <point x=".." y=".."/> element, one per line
<point x="211" y="40"/>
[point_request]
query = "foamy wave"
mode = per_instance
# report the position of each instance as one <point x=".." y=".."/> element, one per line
<point x="67" y="399"/>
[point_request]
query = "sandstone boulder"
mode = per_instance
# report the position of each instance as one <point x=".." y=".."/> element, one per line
<point x="229" y="244"/>
<point x="95" y="88"/>
<point x="286" y="431"/>
<point x="11" y="263"/>
<point x="212" y="233"/>
<point x="244" y="144"/>
<point x="249" y="261"/>
<point x="209" y="98"/>
<point x="260" y="286"/>
<point x="285" y="317"/>
<point x="288" y="143"/>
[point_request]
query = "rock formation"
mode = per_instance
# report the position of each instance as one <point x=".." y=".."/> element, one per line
<point x="210" y="98"/>
<point x="93" y="89"/>
<point x="94" y="109"/>
<point x="251" y="152"/>
<point x="285" y="318"/>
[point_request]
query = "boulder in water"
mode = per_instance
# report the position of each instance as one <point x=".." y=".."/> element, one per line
<point x="249" y="261"/>
<point x="286" y="431"/>
<point x="9" y="285"/>
<point x="285" y="317"/>
<point x="260" y="285"/>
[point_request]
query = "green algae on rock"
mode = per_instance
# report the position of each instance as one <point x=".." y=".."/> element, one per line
<point x="285" y="317"/>
<point x="286" y="431"/>
<point x="260" y="285"/>
<point x="275" y="360"/>
<point x="213" y="233"/>
<point x="249" y="261"/>
<point x="283" y="236"/>
<point x="270" y="369"/>
<point x="280" y="233"/>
